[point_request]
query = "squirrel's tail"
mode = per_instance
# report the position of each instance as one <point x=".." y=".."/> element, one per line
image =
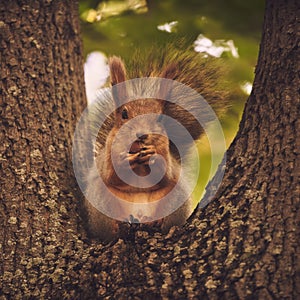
<point x="204" y="74"/>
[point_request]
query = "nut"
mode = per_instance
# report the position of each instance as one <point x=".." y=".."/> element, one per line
<point x="135" y="147"/>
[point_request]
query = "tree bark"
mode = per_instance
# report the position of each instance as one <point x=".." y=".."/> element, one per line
<point x="242" y="245"/>
<point x="42" y="96"/>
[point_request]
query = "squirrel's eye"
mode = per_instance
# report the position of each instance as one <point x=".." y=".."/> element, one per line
<point x="124" y="114"/>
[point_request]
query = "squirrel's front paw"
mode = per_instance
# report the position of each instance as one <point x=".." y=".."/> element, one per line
<point x="129" y="158"/>
<point x="143" y="156"/>
<point x="146" y="155"/>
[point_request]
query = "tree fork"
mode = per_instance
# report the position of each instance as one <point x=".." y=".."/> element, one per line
<point x="243" y="244"/>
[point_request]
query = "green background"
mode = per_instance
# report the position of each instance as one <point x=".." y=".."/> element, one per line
<point x="117" y="28"/>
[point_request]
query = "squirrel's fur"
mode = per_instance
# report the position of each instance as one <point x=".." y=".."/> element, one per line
<point x="189" y="68"/>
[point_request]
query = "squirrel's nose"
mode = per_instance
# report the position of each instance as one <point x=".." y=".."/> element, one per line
<point x="141" y="136"/>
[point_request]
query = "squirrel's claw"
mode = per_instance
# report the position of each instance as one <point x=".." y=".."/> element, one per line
<point x="129" y="157"/>
<point x="146" y="154"/>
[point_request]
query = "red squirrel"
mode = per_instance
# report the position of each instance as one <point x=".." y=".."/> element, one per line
<point x="127" y="152"/>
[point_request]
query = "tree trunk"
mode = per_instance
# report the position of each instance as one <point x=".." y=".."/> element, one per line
<point x="42" y="96"/>
<point x="243" y="244"/>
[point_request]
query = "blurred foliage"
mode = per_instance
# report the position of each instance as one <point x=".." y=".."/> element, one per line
<point x="119" y="27"/>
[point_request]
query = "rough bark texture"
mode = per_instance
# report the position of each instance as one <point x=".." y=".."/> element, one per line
<point x="244" y="244"/>
<point x="42" y="95"/>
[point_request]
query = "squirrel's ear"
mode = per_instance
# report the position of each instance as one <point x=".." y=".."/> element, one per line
<point x="117" y="75"/>
<point x="117" y="70"/>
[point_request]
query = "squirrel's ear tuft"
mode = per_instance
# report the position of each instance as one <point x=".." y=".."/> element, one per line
<point x="118" y="75"/>
<point x="117" y="70"/>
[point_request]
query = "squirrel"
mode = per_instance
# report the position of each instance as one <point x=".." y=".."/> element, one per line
<point x="145" y="147"/>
